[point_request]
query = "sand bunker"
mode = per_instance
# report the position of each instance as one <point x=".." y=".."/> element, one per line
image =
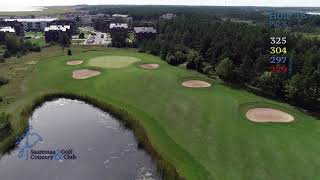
<point x="268" y="115"/>
<point x="149" y="66"/>
<point x="77" y="62"/>
<point x="196" y="84"/>
<point x="21" y="68"/>
<point x="84" y="73"/>
<point x="32" y="62"/>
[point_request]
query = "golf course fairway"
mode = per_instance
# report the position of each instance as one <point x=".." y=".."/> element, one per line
<point x="203" y="132"/>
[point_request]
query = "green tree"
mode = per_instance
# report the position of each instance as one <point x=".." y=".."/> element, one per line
<point x="180" y="57"/>
<point x="225" y="69"/>
<point x="271" y="84"/>
<point x="171" y="59"/>
<point x="155" y="47"/>
<point x="119" y="39"/>
<point x="13" y="43"/>
<point x="295" y="86"/>
<point x="69" y="52"/>
<point x="81" y="36"/>
<point x="64" y="40"/>
<point x="164" y="49"/>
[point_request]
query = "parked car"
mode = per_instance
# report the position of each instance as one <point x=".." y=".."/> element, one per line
<point x="90" y="41"/>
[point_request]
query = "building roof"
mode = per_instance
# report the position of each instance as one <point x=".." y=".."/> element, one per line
<point x="120" y="15"/>
<point x="57" y="28"/>
<point x="7" y="29"/>
<point x="144" y="30"/>
<point x="33" y="20"/>
<point x="168" y="16"/>
<point x="119" y="25"/>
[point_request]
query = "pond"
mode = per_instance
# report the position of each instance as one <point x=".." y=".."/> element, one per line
<point x="69" y="139"/>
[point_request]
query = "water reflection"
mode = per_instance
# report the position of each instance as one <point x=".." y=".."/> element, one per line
<point x="93" y="145"/>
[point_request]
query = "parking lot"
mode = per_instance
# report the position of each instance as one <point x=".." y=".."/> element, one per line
<point x="98" y="38"/>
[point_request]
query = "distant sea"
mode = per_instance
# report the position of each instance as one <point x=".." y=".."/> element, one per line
<point x="22" y="8"/>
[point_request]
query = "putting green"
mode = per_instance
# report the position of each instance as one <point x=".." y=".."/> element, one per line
<point x="112" y="61"/>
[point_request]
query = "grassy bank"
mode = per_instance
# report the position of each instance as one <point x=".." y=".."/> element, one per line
<point x="4" y="125"/>
<point x="202" y="132"/>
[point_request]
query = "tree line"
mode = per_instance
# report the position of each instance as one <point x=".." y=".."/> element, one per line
<point x="15" y="46"/>
<point x="239" y="54"/>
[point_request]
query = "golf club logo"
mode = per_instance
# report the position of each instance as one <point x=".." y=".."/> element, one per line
<point x="31" y="139"/>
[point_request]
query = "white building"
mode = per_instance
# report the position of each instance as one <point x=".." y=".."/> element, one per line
<point x="57" y="28"/>
<point x="36" y="24"/>
<point x="7" y="29"/>
<point x="120" y="16"/>
<point x="144" y="30"/>
<point x="119" y="25"/>
<point x="167" y="16"/>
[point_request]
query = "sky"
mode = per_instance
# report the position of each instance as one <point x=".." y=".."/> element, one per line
<point x="20" y="4"/>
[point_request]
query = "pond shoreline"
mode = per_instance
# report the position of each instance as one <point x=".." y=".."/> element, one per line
<point x="166" y="168"/>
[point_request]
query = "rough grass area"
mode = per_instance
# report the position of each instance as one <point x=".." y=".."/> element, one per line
<point x="3" y="81"/>
<point x="4" y="120"/>
<point x="202" y="132"/>
<point x="112" y="61"/>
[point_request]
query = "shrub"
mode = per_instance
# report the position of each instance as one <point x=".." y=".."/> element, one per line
<point x="2" y="59"/>
<point x="81" y="36"/>
<point x="36" y="48"/>
<point x="4" y="120"/>
<point x="141" y="50"/>
<point x="13" y="43"/>
<point x="69" y="52"/>
<point x="6" y="54"/>
<point x="3" y="81"/>
<point x="19" y="54"/>
<point x="171" y="59"/>
<point x="180" y="57"/>
<point x="225" y="69"/>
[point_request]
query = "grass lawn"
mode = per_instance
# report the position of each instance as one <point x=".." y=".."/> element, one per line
<point x="34" y="34"/>
<point x="41" y="42"/>
<point x="36" y="38"/>
<point x="202" y="131"/>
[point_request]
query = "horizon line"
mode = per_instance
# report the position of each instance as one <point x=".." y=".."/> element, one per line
<point x="190" y="5"/>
